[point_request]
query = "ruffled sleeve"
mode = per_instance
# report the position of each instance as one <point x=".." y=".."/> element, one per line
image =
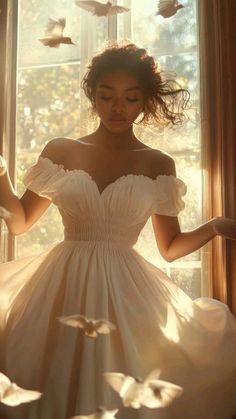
<point x="169" y="195"/>
<point x="42" y="178"/>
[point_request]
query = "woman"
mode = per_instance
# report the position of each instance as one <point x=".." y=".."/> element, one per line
<point x="106" y="185"/>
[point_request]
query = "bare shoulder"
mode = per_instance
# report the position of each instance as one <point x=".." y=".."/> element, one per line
<point x="161" y="163"/>
<point x="55" y="149"/>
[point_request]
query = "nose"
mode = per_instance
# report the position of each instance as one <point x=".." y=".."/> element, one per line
<point x="118" y="104"/>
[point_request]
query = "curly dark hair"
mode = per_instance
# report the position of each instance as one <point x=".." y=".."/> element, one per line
<point x="164" y="99"/>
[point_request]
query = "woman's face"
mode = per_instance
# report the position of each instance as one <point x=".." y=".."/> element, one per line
<point x="118" y="100"/>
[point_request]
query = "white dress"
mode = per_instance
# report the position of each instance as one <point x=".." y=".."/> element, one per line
<point x="95" y="271"/>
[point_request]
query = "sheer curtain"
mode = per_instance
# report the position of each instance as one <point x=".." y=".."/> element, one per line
<point x="217" y="34"/>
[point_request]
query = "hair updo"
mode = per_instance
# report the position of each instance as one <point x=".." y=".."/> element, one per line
<point x="164" y="99"/>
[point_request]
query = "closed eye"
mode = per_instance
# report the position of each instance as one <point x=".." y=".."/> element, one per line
<point x="132" y="99"/>
<point x="129" y="99"/>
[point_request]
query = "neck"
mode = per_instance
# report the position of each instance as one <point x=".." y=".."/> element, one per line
<point x="112" y="141"/>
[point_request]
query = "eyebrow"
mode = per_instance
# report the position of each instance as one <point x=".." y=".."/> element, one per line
<point x="106" y="86"/>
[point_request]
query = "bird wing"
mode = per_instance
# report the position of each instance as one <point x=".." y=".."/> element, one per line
<point x="4" y="384"/>
<point x="55" y="28"/>
<point x="165" y="4"/>
<point x="117" y="9"/>
<point x="167" y="392"/>
<point x="115" y="379"/>
<point x="151" y="396"/>
<point x="119" y="382"/>
<point x="151" y="383"/>
<point x="89" y="5"/>
<point x="112" y="413"/>
<point x="4" y="379"/>
<point x="105" y="414"/>
<point x="81" y="321"/>
<point x="51" y="42"/>
<point x="153" y="375"/>
<point x="15" y="395"/>
<point x="104" y="326"/>
<point x="75" y="321"/>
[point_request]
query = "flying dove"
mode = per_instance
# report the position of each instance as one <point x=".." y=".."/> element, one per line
<point x="91" y="327"/>
<point x="168" y="8"/>
<point x="136" y="392"/>
<point x="13" y="395"/>
<point x="100" y="9"/>
<point x="54" y="34"/>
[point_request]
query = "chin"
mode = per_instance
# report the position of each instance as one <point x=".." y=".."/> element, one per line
<point x="117" y="129"/>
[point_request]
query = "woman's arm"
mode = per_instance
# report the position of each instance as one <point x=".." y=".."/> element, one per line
<point x="30" y="207"/>
<point x="174" y="244"/>
<point x="25" y="211"/>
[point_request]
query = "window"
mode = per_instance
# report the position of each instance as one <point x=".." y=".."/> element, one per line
<point x="50" y="104"/>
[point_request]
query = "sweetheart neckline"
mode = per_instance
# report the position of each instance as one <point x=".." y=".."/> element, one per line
<point x="62" y="168"/>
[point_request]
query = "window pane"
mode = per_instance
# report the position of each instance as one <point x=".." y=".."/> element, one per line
<point x="33" y="18"/>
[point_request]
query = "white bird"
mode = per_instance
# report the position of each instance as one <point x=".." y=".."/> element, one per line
<point x="91" y="327"/>
<point x="54" y="34"/>
<point x="13" y="395"/>
<point x="100" y="413"/>
<point x="100" y="9"/>
<point x="4" y="213"/>
<point x="168" y="8"/>
<point x="136" y="392"/>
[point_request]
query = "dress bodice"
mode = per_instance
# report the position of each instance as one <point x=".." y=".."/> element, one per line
<point x="117" y="214"/>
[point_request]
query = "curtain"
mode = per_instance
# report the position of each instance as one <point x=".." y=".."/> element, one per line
<point x="217" y="40"/>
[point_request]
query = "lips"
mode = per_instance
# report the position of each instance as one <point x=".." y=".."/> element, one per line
<point x="117" y="119"/>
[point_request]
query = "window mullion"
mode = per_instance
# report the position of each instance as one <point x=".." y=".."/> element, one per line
<point x="128" y="26"/>
<point x="112" y="27"/>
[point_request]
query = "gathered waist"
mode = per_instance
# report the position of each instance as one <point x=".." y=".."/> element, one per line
<point x="100" y="243"/>
<point x="98" y="237"/>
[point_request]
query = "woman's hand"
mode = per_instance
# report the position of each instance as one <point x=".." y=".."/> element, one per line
<point x="3" y="166"/>
<point x="225" y="227"/>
